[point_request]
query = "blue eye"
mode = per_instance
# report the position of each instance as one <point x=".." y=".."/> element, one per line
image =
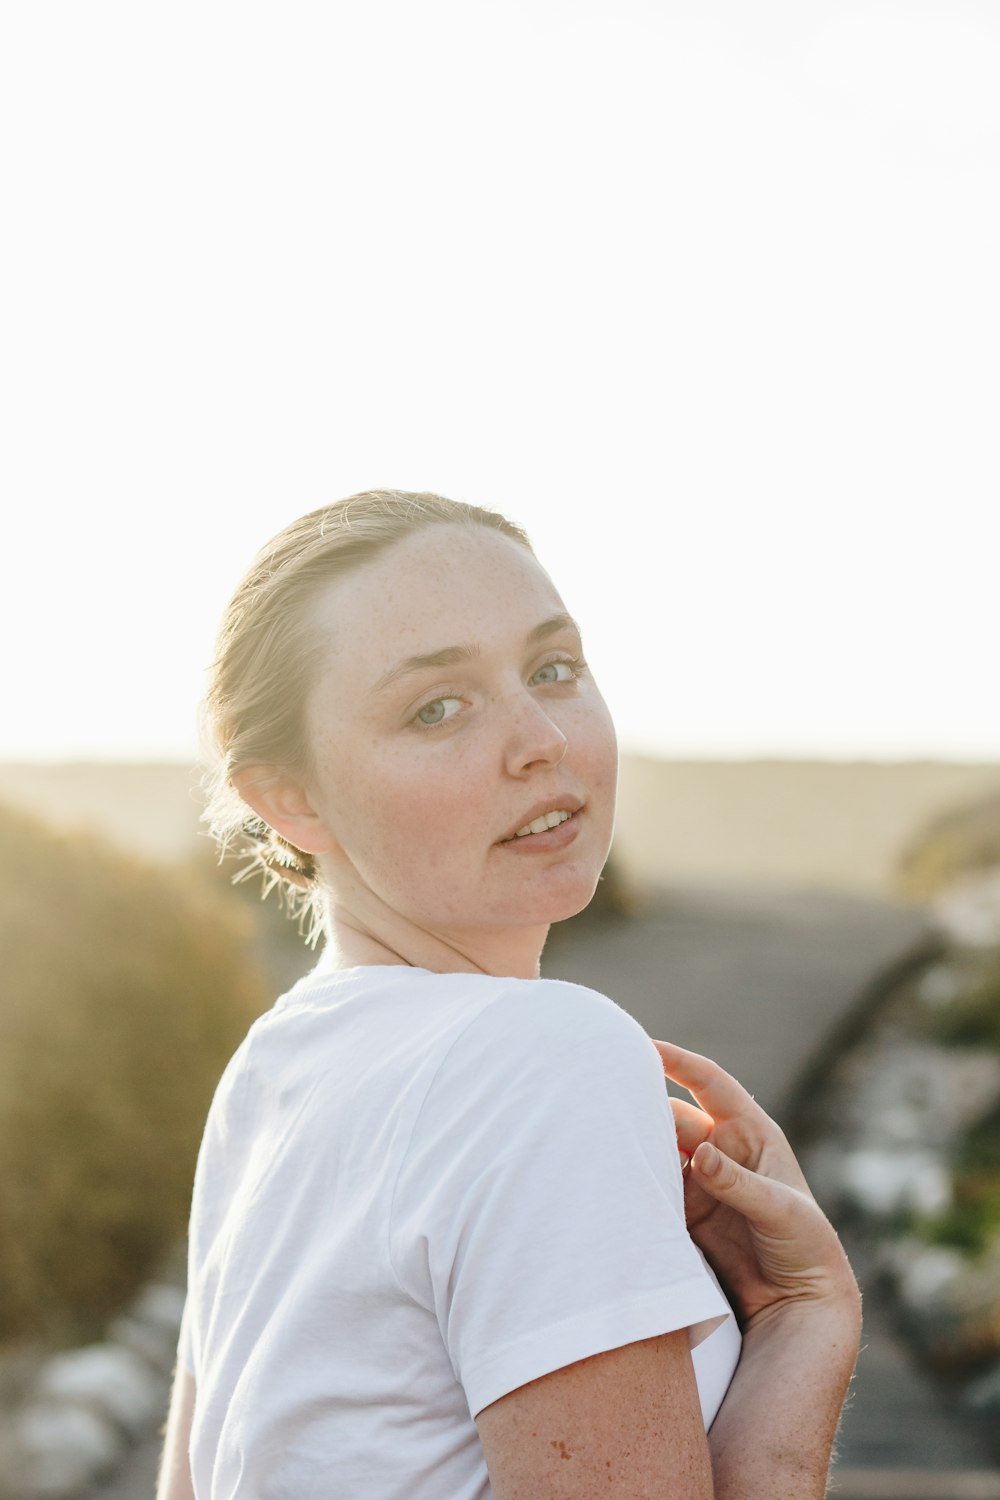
<point x="558" y="671"/>
<point x="434" y="712"/>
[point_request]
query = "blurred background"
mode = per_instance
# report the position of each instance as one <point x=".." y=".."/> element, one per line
<point x="704" y="297"/>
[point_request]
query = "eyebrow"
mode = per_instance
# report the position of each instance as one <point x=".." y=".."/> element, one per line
<point x="451" y="655"/>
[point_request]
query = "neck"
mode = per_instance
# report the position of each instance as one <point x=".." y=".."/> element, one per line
<point x="362" y="929"/>
<point x="351" y="942"/>
<point x="516" y="954"/>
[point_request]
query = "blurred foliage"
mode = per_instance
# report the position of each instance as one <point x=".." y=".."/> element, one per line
<point x="973" y="1017"/>
<point x="277" y="944"/>
<point x="972" y="1222"/>
<point x="125" y="990"/>
<point x="960" y="842"/>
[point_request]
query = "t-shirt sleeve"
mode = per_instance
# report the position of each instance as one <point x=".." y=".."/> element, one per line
<point x="539" y="1207"/>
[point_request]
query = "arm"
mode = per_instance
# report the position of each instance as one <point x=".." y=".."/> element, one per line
<point x="631" y="1416"/>
<point x="750" y="1211"/>
<point x="174" y="1482"/>
<point x="775" y="1430"/>
<point x="625" y="1423"/>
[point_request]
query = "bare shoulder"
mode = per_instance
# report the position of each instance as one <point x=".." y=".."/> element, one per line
<point x="626" y="1422"/>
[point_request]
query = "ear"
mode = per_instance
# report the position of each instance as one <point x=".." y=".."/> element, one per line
<point x="283" y="803"/>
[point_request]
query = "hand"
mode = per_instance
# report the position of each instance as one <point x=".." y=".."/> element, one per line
<point x="748" y="1206"/>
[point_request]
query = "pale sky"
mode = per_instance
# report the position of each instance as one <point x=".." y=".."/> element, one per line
<point x="705" y="295"/>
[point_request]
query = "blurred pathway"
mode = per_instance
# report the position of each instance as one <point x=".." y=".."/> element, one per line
<point x="763" y="981"/>
<point x="758" y="978"/>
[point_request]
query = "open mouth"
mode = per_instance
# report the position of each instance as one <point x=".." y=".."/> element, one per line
<point x="541" y="825"/>
<point x="542" y="830"/>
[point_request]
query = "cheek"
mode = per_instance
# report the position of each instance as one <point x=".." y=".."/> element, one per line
<point x="422" y="802"/>
<point x="593" y="735"/>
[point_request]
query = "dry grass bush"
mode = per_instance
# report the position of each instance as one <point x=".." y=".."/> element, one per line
<point x="124" y="991"/>
<point x="278" y="942"/>
<point x="960" y="842"/>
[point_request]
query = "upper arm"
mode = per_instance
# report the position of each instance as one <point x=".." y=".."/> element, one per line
<point x="539" y="1211"/>
<point x="174" y="1481"/>
<point x="626" y="1422"/>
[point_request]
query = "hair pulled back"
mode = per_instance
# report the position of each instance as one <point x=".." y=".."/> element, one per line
<point x="268" y="655"/>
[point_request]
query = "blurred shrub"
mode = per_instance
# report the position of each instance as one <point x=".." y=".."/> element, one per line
<point x="973" y="1018"/>
<point x="277" y="942"/>
<point x="960" y="842"/>
<point x="972" y="1222"/>
<point x="124" y="991"/>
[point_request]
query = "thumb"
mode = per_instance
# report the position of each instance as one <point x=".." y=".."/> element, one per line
<point x="717" y="1173"/>
<point x="760" y="1199"/>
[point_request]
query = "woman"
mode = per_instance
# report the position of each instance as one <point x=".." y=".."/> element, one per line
<point x="438" y="1246"/>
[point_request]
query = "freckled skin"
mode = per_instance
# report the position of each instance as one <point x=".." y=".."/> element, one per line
<point x="638" y="1402"/>
<point x="415" y="812"/>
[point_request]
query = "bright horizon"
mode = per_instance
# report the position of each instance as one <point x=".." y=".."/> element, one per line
<point x="705" y="299"/>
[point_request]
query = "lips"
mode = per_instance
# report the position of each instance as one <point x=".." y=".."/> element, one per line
<point x="557" y="802"/>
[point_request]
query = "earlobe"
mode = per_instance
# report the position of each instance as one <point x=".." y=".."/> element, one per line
<point x="283" y="803"/>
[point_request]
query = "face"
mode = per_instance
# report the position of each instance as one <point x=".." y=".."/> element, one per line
<point x="453" y="710"/>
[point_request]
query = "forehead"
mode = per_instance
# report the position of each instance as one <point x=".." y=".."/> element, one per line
<point x="440" y="587"/>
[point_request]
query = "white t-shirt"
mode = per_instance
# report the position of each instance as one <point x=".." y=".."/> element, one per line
<point x="415" y="1193"/>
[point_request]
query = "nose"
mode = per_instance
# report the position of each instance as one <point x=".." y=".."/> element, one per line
<point x="533" y="738"/>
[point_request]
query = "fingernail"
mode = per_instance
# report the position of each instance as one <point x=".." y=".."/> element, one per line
<point x="709" y="1160"/>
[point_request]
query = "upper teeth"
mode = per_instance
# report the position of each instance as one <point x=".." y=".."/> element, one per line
<point x="547" y="820"/>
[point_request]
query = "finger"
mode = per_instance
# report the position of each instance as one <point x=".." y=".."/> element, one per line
<point x="716" y="1091"/>
<point x="794" y="1248"/>
<point x="772" y="1206"/>
<point x="692" y="1125"/>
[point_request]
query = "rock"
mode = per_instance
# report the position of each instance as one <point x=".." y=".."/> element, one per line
<point x="928" y="1273"/>
<point x="110" y="1380"/>
<point x="150" y="1327"/>
<point x="925" y="1277"/>
<point x="896" y="1109"/>
<point x="884" y="1181"/>
<point x="968" y="910"/>
<point x="899" y="1123"/>
<point x="157" y="1346"/>
<point x="939" y="985"/>
<point x="901" y="1092"/>
<point x="983" y="1394"/>
<point x="61" y="1448"/>
<point x="960" y="1324"/>
<point x="161" y="1305"/>
<point x="68" y="1419"/>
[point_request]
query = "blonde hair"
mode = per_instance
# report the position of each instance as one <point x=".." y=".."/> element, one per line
<point x="266" y="659"/>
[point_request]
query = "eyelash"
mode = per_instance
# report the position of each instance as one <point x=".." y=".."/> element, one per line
<point x="577" y="663"/>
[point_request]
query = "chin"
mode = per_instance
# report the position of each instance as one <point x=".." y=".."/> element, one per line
<point x="559" y="906"/>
